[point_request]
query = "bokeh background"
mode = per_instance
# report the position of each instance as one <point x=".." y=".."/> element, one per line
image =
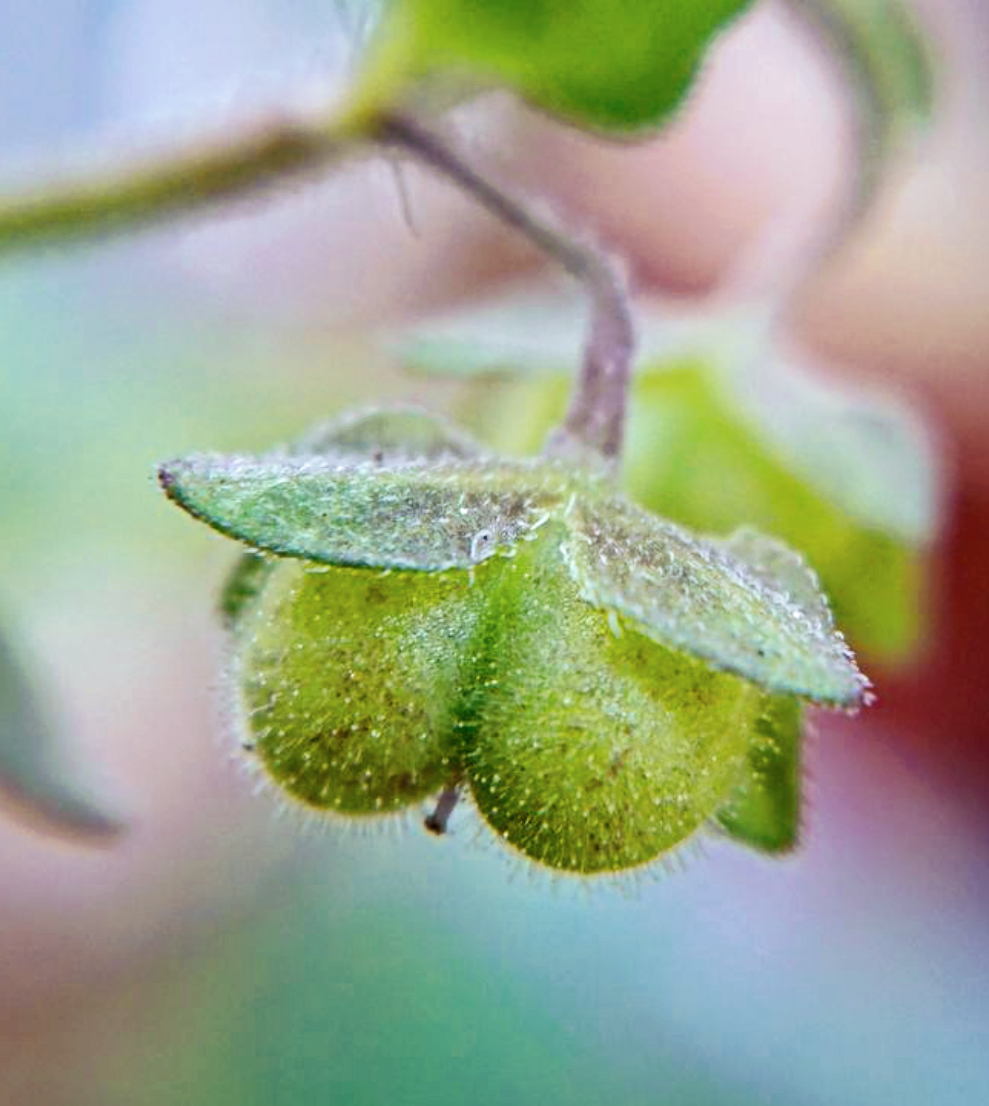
<point x="222" y="952"/>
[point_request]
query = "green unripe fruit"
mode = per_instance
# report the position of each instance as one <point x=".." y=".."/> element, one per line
<point x="593" y="752"/>
<point x="603" y="681"/>
<point x="347" y="676"/>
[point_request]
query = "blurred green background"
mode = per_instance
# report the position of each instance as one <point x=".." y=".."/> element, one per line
<point x="224" y="952"/>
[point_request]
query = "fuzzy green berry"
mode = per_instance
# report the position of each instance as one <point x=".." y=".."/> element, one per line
<point x="604" y="683"/>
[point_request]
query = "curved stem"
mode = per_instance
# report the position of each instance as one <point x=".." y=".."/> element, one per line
<point x="261" y="153"/>
<point x="594" y="423"/>
<point x="880" y="55"/>
<point x="869" y="117"/>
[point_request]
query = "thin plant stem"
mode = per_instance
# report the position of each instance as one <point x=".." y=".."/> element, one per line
<point x="874" y="119"/>
<point x="261" y="153"/>
<point x="439" y="817"/>
<point x="264" y="151"/>
<point x="785" y="259"/>
<point x="594" y="424"/>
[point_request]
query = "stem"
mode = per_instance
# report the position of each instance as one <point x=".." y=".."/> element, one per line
<point x="856" y="49"/>
<point x="265" y="150"/>
<point x="594" y="423"/>
<point x="886" y="74"/>
<point x="260" y="154"/>
<point x="437" y="821"/>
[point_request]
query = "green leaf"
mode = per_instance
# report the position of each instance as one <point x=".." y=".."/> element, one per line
<point x="37" y="773"/>
<point x="864" y="451"/>
<point x="780" y="568"/>
<point x="243" y="585"/>
<point x="724" y="430"/>
<point x="586" y="751"/>
<point x="616" y="65"/>
<point x="764" y="808"/>
<point x="694" y="595"/>
<point x="389" y="436"/>
<point x="347" y="679"/>
<point x="848" y="480"/>
<point x="755" y="610"/>
<point x="429" y="517"/>
<point x="383" y="435"/>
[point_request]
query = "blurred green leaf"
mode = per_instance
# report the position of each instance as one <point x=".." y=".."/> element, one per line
<point x="764" y="809"/>
<point x="388" y="436"/>
<point x="47" y="788"/>
<point x="615" y="65"/>
<point x="849" y="481"/>
<point x="243" y="584"/>
<point x="535" y="331"/>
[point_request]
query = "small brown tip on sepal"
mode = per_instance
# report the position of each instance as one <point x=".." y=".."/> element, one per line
<point x="436" y="821"/>
<point x="166" y="479"/>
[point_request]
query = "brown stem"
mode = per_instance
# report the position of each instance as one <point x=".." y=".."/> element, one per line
<point x="594" y="424"/>
<point x="437" y="821"/>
